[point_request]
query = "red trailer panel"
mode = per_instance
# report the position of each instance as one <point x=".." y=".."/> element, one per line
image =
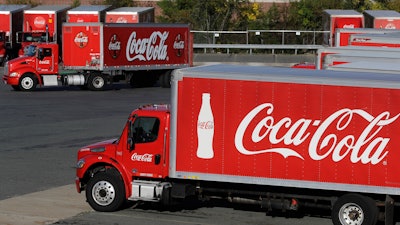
<point x="36" y="19"/>
<point x="87" y="13"/>
<point x="11" y="17"/>
<point x="382" y="19"/>
<point x="82" y="40"/>
<point x="126" y="46"/>
<point x="302" y="133"/>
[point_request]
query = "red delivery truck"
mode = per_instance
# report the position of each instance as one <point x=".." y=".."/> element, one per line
<point x="42" y="24"/>
<point x="130" y="15"/>
<point x="280" y="138"/>
<point x="95" y="54"/>
<point x="87" y="13"/>
<point x="11" y="17"/>
<point x="336" y="18"/>
<point x="382" y="19"/>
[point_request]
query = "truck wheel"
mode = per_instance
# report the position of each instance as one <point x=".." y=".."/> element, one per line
<point x="105" y="192"/>
<point x="27" y="82"/>
<point x="165" y="79"/>
<point x="354" y="209"/>
<point x="96" y="82"/>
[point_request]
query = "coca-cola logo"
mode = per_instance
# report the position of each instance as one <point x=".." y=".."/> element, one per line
<point x="81" y="40"/>
<point x="147" y="49"/>
<point x="207" y="125"/>
<point x="365" y="147"/>
<point x="44" y="62"/>
<point x="114" y="46"/>
<point x="179" y="45"/>
<point x="351" y="26"/>
<point x="142" y="158"/>
<point x="39" y="22"/>
<point x="390" y="26"/>
<point x="121" y="20"/>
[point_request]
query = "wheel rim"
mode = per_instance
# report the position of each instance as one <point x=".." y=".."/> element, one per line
<point x="103" y="193"/>
<point x="27" y="83"/>
<point x="351" y="213"/>
<point x="98" y="82"/>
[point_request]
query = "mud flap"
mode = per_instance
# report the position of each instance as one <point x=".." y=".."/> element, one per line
<point x="389" y="210"/>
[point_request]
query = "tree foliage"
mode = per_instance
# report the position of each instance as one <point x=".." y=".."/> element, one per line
<point x="244" y="14"/>
<point x="209" y="15"/>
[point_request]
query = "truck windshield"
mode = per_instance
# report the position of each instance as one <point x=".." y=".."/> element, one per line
<point x="34" y="37"/>
<point x="30" y="50"/>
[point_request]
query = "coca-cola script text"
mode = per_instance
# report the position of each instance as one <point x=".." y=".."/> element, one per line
<point x="366" y="147"/>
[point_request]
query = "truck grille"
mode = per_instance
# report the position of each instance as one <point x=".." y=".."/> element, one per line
<point x="6" y="68"/>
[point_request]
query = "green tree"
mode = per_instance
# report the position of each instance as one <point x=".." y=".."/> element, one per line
<point x="76" y="3"/>
<point x="394" y="5"/>
<point x="207" y="15"/>
<point x="23" y="2"/>
<point x="119" y="3"/>
<point x="307" y="14"/>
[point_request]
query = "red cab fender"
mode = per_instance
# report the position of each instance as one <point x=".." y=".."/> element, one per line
<point x="93" y="161"/>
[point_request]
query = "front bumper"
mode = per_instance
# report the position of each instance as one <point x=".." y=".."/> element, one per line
<point x="78" y="185"/>
<point x="10" y="80"/>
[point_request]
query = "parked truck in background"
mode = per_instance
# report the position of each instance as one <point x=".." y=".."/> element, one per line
<point x="95" y="54"/>
<point x="334" y="19"/>
<point x="42" y="23"/>
<point x="387" y="40"/>
<point x="87" y="13"/>
<point x="11" y="17"/>
<point x="280" y="138"/>
<point x="382" y="19"/>
<point x="131" y="15"/>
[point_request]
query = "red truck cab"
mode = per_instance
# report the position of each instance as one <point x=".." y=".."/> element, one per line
<point x="141" y="152"/>
<point x="39" y="60"/>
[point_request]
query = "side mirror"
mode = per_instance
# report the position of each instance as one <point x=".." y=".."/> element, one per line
<point x="131" y="144"/>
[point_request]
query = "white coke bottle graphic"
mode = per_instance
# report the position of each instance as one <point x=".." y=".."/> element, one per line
<point x="205" y="129"/>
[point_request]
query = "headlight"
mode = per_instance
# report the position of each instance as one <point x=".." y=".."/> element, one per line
<point x="14" y="74"/>
<point x="80" y="164"/>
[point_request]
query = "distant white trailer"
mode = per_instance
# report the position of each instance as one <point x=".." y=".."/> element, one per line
<point x="342" y="36"/>
<point x="390" y="40"/>
<point x="333" y="56"/>
<point x="130" y="15"/>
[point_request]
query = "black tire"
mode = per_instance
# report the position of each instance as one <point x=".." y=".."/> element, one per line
<point x="135" y="82"/>
<point x="355" y="209"/>
<point x="16" y="87"/>
<point x="105" y="192"/>
<point x="165" y="80"/>
<point x="96" y="82"/>
<point x="27" y="82"/>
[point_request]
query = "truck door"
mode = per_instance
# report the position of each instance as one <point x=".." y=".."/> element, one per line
<point x="147" y="147"/>
<point x="45" y="62"/>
